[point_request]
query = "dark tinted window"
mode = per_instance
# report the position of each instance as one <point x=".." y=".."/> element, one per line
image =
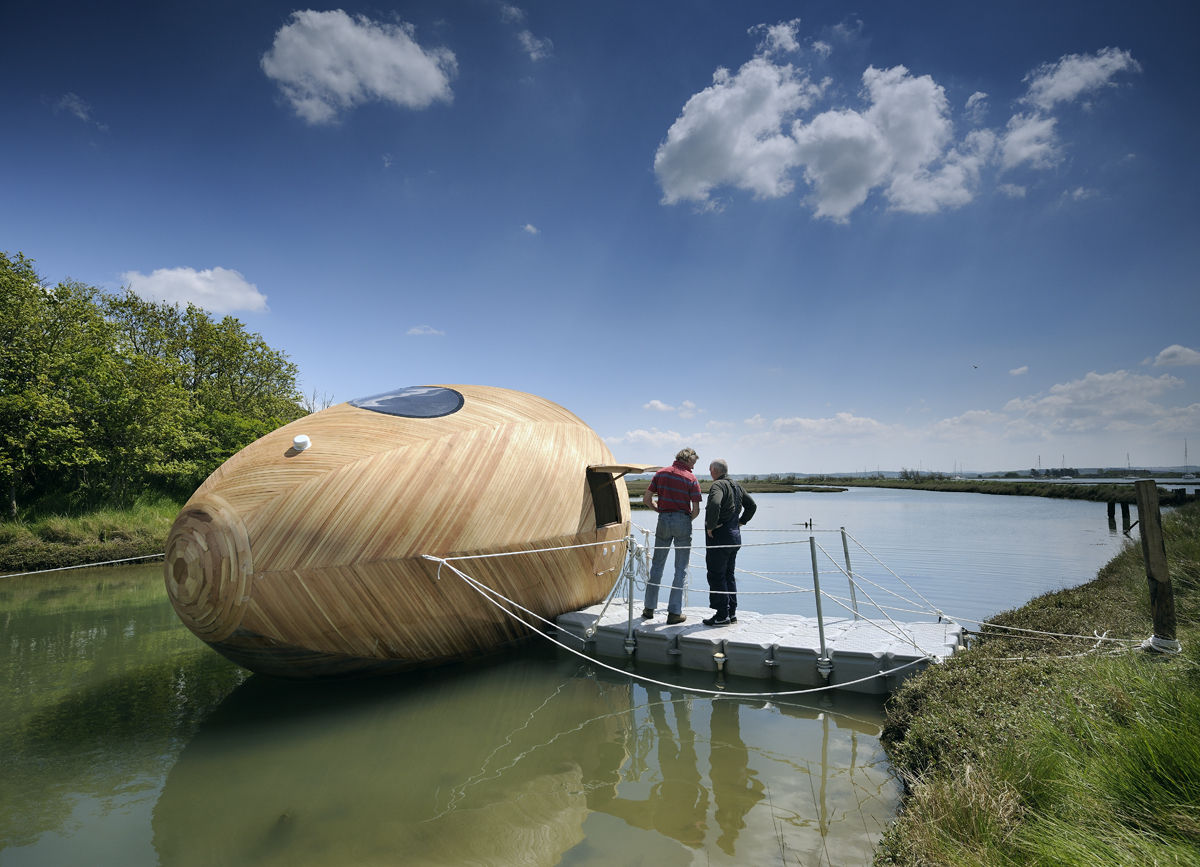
<point x="415" y="401"/>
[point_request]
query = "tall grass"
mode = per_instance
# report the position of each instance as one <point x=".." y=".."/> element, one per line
<point x="56" y="540"/>
<point x="1058" y="758"/>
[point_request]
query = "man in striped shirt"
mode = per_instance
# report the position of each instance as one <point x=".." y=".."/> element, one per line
<point x="678" y="505"/>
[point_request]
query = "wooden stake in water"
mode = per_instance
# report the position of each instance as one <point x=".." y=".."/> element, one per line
<point x="1154" y="553"/>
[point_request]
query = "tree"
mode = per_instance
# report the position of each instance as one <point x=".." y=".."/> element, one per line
<point x="105" y="397"/>
<point x="52" y="340"/>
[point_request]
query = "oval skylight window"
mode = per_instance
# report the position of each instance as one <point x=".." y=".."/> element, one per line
<point x="415" y="401"/>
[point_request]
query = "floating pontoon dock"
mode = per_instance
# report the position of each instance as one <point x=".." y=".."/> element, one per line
<point x="854" y="653"/>
<point x="859" y="655"/>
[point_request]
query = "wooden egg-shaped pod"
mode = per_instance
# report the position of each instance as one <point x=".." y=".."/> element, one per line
<point x="303" y="554"/>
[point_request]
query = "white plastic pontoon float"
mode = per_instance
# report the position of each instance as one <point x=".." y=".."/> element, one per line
<point x="854" y="653"/>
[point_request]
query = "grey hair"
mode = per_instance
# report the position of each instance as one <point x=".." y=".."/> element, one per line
<point x="720" y="465"/>
<point x="686" y="455"/>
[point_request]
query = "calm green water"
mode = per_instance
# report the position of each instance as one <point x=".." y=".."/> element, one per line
<point x="124" y="740"/>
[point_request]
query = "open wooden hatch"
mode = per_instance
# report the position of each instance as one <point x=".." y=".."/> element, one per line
<point x="604" y="493"/>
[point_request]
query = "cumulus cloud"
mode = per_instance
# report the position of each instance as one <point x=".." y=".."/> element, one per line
<point x="781" y="38"/>
<point x="218" y="290"/>
<point x="752" y="130"/>
<point x="424" y="331"/>
<point x="531" y="229"/>
<point x="329" y="62"/>
<point x="1177" y="356"/>
<point x="732" y="133"/>
<point x="1019" y="371"/>
<point x="1097" y="401"/>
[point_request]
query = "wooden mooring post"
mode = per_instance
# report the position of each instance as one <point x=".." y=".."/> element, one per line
<point x="1154" y="553"/>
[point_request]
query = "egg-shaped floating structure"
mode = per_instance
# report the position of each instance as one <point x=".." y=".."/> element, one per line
<point x="303" y="555"/>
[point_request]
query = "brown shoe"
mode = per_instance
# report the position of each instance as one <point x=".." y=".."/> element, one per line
<point x="672" y="619"/>
<point x="647" y="614"/>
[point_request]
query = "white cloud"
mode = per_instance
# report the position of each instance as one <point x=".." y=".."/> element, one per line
<point x="686" y="409"/>
<point x="749" y="131"/>
<point x="537" y="49"/>
<point x="424" y="330"/>
<point x="781" y="38"/>
<point x="665" y="440"/>
<point x="328" y="62"/>
<point x="74" y="104"/>
<point x="842" y="425"/>
<point x="218" y="290"/>
<point x="1177" y="356"/>
<point x="1097" y="401"/>
<point x="756" y="420"/>
<point x="977" y="106"/>
<point x="967" y="427"/>
<point x="732" y="133"/>
<point x="1019" y="371"/>
<point x="1013" y="191"/>
<point x="1029" y="138"/>
<point x="1076" y="74"/>
<point x="531" y="229"/>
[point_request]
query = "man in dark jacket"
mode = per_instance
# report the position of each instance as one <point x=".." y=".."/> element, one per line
<point x="729" y="506"/>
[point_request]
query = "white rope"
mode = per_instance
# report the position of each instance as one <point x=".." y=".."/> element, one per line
<point x="488" y="593"/>
<point x="885" y="566"/>
<point x="899" y="634"/>
<point x="82" y="566"/>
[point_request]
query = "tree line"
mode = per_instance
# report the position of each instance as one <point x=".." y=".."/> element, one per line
<point x="108" y="397"/>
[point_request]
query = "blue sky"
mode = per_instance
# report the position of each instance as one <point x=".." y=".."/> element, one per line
<point x="800" y="236"/>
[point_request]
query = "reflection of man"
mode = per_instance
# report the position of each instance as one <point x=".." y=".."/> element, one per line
<point x="735" y="787"/>
<point x="729" y="506"/>
<point x="677" y="806"/>
<point x="678" y="505"/>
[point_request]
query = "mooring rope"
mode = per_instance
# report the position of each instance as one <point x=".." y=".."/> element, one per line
<point x="488" y="593"/>
<point x="82" y="566"/>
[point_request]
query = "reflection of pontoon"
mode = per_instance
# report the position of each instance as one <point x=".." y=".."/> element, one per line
<point x="302" y="555"/>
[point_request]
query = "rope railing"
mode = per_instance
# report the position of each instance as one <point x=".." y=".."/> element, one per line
<point x="495" y="598"/>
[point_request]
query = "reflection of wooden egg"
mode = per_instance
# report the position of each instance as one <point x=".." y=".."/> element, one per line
<point x="302" y="554"/>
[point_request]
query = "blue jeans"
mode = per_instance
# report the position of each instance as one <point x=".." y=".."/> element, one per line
<point x="676" y="528"/>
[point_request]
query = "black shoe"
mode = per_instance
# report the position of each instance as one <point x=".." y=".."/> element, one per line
<point x="715" y="621"/>
<point x="672" y="619"/>
<point x="733" y="618"/>
<point x="647" y="614"/>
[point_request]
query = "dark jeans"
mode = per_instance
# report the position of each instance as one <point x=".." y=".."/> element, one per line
<point x="720" y="561"/>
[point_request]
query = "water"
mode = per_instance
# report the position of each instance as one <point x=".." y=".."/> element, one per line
<point x="124" y="740"/>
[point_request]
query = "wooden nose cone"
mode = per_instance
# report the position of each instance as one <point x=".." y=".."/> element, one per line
<point x="208" y="567"/>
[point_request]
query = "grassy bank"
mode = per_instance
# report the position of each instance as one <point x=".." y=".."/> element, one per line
<point x="637" y="487"/>
<point x="1102" y="492"/>
<point x="54" y="541"/>
<point x="1023" y="751"/>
